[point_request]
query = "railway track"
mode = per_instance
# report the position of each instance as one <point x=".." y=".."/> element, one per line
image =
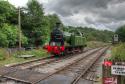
<point x="93" y="73"/>
<point x="42" y="71"/>
<point x="38" y="62"/>
<point x="74" y="71"/>
<point x="88" y="72"/>
<point x="60" y="64"/>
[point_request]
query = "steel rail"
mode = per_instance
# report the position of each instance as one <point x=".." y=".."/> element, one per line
<point x="88" y="67"/>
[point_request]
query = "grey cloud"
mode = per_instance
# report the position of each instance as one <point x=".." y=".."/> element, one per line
<point x="89" y="20"/>
<point x="69" y="7"/>
<point x="96" y="11"/>
<point x="115" y="14"/>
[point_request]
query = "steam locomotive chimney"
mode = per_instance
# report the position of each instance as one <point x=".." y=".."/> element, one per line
<point x="58" y="25"/>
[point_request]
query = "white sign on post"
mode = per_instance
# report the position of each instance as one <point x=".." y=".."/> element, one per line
<point x="118" y="70"/>
<point x="116" y="38"/>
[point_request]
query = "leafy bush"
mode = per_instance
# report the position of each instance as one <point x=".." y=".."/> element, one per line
<point x="9" y="36"/>
<point x="118" y="52"/>
<point x="3" y="40"/>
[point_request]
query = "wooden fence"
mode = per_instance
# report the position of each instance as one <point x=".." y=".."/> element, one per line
<point x="13" y="50"/>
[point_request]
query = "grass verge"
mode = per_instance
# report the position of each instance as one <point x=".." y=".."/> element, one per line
<point x="96" y="44"/>
<point x="5" y="58"/>
<point x="118" y="52"/>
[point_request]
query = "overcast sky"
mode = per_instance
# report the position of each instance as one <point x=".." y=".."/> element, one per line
<point x="101" y="14"/>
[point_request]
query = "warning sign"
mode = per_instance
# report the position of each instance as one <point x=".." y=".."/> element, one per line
<point x="118" y="70"/>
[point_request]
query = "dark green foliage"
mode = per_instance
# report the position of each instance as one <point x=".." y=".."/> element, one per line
<point x="121" y="32"/>
<point x="3" y="40"/>
<point x="34" y="24"/>
<point x="8" y="13"/>
<point x="53" y="19"/>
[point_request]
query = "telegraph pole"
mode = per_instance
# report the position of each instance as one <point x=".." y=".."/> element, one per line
<point x="19" y="25"/>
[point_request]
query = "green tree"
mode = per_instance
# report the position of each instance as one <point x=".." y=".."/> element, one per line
<point x="53" y="19"/>
<point x="121" y="32"/>
<point x="34" y="23"/>
<point x="8" y="13"/>
<point x="8" y="29"/>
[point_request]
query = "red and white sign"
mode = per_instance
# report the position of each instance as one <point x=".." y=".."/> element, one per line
<point x="110" y="80"/>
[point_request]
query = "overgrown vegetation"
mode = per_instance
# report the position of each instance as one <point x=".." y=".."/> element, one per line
<point x="118" y="52"/>
<point x="6" y="58"/>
